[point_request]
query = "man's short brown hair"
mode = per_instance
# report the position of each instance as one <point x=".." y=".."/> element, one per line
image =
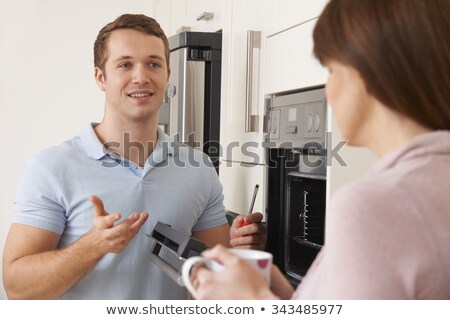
<point x="137" y="22"/>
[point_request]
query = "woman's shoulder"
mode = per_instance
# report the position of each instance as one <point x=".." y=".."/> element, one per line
<point x="366" y="190"/>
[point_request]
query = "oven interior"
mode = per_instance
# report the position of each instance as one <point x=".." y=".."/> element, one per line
<point x="305" y="221"/>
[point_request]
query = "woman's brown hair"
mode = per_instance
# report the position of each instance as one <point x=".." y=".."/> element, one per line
<point x="401" y="49"/>
<point x="137" y="22"/>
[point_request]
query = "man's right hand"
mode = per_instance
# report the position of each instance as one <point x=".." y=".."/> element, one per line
<point x="33" y="267"/>
<point x="113" y="237"/>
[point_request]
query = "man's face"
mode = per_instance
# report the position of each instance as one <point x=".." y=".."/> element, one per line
<point x="135" y="75"/>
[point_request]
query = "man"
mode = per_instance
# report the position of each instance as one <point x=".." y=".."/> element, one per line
<point x="67" y="243"/>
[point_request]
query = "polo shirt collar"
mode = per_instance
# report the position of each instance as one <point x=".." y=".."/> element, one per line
<point x="163" y="149"/>
<point x="165" y="142"/>
<point x="97" y="151"/>
<point x="92" y="145"/>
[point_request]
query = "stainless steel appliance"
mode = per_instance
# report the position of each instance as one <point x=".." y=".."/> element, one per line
<point x="171" y="248"/>
<point x="296" y="164"/>
<point x="191" y="111"/>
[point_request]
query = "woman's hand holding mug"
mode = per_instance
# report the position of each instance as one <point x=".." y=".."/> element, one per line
<point x="225" y="271"/>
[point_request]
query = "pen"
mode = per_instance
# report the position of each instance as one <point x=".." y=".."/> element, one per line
<point x="252" y="203"/>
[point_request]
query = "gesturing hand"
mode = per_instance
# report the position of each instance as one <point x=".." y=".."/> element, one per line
<point x="112" y="237"/>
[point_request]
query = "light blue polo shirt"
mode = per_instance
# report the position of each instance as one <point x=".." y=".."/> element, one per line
<point x="178" y="186"/>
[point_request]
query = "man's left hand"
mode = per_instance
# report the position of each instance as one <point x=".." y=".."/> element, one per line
<point x="251" y="235"/>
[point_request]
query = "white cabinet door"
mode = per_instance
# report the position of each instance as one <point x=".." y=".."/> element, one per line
<point x="181" y="15"/>
<point x="238" y="183"/>
<point x="290" y="63"/>
<point x="198" y="21"/>
<point x="238" y="146"/>
<point x="177" y="16"/>
<point x="162" y="14"/>
<point x="171" y="15"/>
<point x="246" y="15"/>
<point x="285" y="14"/>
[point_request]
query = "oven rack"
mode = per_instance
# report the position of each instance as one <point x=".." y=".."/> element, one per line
<point x="307" y="243"/>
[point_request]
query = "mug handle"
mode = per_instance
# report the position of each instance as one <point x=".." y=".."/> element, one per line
<point x="186" y="270"/>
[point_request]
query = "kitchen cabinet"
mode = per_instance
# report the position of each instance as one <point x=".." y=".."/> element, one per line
<point x="238" y="181"/>
<point x="197" y="21"/>
<point x="290" y="63"/>
<point x="283" y="62"/>
<point x="286" y="14"/>
<point x="234" y="78"/>
<point x="234" y="18"/>
<point x="161" y="9"/>
<point x="181" y="15"/>
<point x="170" y="14"/>
<point x="241" y="148"/>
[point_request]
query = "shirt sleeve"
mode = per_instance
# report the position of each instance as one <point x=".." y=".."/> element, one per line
<point x="214" y="213"/>
<point x="36" y="203"/>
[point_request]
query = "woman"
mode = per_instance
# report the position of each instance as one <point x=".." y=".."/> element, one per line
<point x="388" y="234"/>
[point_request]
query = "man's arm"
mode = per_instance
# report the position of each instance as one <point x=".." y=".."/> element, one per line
<point x="34" y="269"/>
<point x="252" y="236"/>
<point x="213" y="236"/>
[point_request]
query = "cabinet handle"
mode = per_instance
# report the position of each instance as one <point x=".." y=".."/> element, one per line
<point x="253" y="42"/>
<point x="205" y="16"/>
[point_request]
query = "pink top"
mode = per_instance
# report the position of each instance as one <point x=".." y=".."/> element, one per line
<point x="388" y="234"/>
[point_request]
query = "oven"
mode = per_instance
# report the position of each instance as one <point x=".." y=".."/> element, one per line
<point x="296" y="184"/>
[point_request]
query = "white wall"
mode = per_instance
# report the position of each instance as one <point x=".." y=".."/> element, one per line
<point x="47" y="88"/>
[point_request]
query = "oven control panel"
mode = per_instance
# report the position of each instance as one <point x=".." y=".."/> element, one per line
<point x="297" y="119"/>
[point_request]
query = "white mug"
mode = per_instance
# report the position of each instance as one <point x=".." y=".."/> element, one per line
<point x="259" y="260"/>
